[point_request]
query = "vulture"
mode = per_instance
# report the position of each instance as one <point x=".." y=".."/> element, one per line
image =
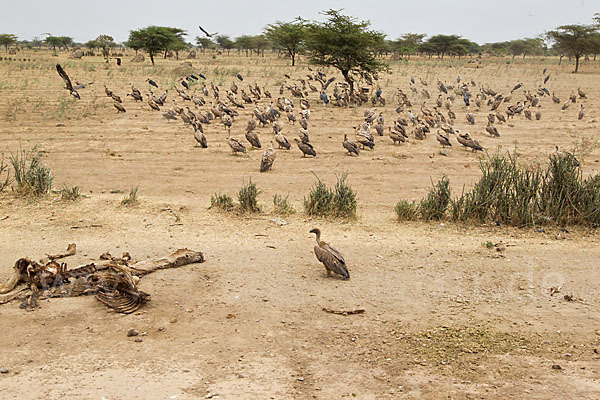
<point x="119" y="107"/>
<point x="581" y="113"/>
<point x="68" y="84"/>
<point x="396" y="137"/>
<point x="252" y="137"/>
<point x="305" y="148"/>
<point x="443" y="139"/>
<point x="350" y="146"/>
<point x="303" y="135"/>
<point x="492" y="130"/>
<point x="210" y="35"/>
<point x="151" y="82"/>
<point x="466" y="141"/>
<point x="267" y="159"/>
<point x="236" y="144"/>
<point x="332" y="259"/>
<point x="201" y="139"/>
<point x="282" y="141"/>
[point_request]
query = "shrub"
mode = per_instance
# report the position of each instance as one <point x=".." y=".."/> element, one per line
<point x="32" y="178"/>
<point x="406" y="211"/>
<point x="434" y="206"/>
<point x="4" y="182"/>
<point x="319" y="200"/>
<point x="131" y="199"/>
<point x="221" y="202"/>
<point x="70" y="193"/>
<point x="247" y="196"/>
<point x="344" y="199"/>
<point x="339" y="202"/>
<point x="282" y="206"/>
<point x="517" y="195"/>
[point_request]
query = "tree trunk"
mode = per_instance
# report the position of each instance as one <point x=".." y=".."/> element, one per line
<point x="346" y="75"/>
<point x="560" y="59"/>
<point x="293" y="58"/>
<point x="577" y="57"/>
<point x="152" y="58"/>
<point x="165" y="56"/>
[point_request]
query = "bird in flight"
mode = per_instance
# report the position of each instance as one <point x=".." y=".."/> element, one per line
<point x="68" y="84"/>
<point x="206" y="33"/>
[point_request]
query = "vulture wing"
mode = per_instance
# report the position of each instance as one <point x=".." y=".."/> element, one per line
<point x="65" y="77"/>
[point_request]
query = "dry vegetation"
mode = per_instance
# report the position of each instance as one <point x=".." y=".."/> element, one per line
<point x="460" y="309"/>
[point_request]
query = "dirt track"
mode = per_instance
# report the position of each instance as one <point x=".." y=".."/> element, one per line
<point x="444" y="315"/>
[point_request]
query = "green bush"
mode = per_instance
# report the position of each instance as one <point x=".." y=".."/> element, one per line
<point x="407" y="211"/>
<point x="221" y="202"/>
<point x="319" y="201"/>
<point x="434" y="206"/>
<point x="4" y="182"/>
<point x="339" y="202"/>
<point x="247" y="196"/>
<point x="517" y="195"/>
<point x="282" y="206"/>
<point x="70" y="193"/>
<point x="344" y="199"/>
<point x="32" y="178"/>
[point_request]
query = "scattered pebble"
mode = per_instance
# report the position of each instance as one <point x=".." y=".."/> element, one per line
<point x="138" y="340"/>
<point x="132" y="332"/>
<point x="4" y="370"/>
<point x="556" y="366"/>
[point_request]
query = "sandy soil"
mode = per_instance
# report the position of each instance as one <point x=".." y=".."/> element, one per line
<point x="444" y="315"/>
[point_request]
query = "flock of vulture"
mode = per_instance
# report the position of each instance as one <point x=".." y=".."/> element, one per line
<point x="196" y="111"/>
<point x="209" y="105"/>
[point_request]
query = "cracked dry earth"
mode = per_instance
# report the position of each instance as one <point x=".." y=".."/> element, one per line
<point x="445" y="316"/>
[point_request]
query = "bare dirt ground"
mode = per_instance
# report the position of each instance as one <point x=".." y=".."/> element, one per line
<point x="444" y="315"/>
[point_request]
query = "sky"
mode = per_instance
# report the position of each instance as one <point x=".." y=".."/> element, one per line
<point x="481" y="21"/>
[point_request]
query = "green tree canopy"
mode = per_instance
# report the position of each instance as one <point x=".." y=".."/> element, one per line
<point x="105" y="43"/>
<point x="574" y="40"/>
<point x="344" y="43"/>
<point x="408" y="43"/>
<point x="288" y="36"/>
<point x="225" y="43"/>
<point x="7" y="39"/>
<point x="59" y="41"/>
<point x="244" y="42"/>
<point x="204" y="43"/>
<point x="157" y="39"/>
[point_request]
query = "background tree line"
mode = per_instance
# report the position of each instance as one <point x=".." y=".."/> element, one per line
<point x="298" y="37"/>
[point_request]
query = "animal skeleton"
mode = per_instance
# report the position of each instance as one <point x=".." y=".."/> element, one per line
<point x="113" y="281"/>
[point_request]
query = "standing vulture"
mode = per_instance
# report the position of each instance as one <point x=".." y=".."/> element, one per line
<point x="330" y="257"/>
<point x="267" y="159"/>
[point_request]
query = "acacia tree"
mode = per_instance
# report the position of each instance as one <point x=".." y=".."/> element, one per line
<point x="53" y="41"/>
<point x="225" y="43"/>
<point x="155" y="40"/>
<point x="135" y="41"/>
<point x="177" y="43"/>
<point x="7" y="39"/>
<point x="204" y="43"/>
<point x="288" y="36"/>
<point x="408" y="43"/>
<point x="574" y="40"/>
<point x="244" y="42"/>
<point x="105" y="43"/>
<point x="346" y="44"/>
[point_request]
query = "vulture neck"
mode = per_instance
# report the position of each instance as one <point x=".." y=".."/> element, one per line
<point x="318" y="233"/>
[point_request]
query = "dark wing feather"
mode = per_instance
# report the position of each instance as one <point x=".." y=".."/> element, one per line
<point x="332" y="259"/>
<point x="328" y="83"/>
<point x="65" y="77"/>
